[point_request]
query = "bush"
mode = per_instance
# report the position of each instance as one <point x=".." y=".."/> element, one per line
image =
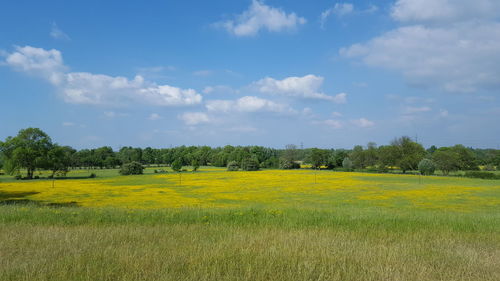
<point x="250" y="164"/>
<point x="426" y="167"/>
<point x="489" y="167"/>
<point x="132" y="168"/>
<point x="18" y="177"/>
<point x="482" y="175"/>
<point x="233" y="166"/>
<point x="92" y="176"/>
<point x="287" y="164"/>
<point x="347" y="164"/>
<point x="195" y="164"/>
<point x="177" y="165"/>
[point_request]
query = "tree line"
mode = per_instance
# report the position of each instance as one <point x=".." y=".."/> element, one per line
<point x="32" y="149"/>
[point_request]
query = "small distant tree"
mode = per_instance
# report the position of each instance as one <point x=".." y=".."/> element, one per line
<point x="426" y="167"/>
<point x="287" y="164"/>
<point x="132" y="168"/>
<point x="250" y="164"/>
<point x="195" y="164"/>
<point x="177" y="165"/>
<point x="446" y="160"/>
<point x="233" y="166"/>
<point x="59" y="159"/>
<point x="347" y="164"/>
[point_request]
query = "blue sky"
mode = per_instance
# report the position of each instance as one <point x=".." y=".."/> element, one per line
<point x="322" y="73"/>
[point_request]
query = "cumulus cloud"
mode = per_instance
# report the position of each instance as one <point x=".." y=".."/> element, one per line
<point x="444" y="10"/>
<point x="334" y="124"/>
<point x="261" y="16"/>
<point x="363" y="123"/>
<point x="194" y="118"/>
<point x="247" y="104"/>
<point x="57" y="33"/>
<point x="97" y="89"/>
<point x="413" y="110"/>
<point x="154" y="116"/>
<point x="452" y="45"/>
<point x="339" y="9"/>
<point x="307" y="87"/>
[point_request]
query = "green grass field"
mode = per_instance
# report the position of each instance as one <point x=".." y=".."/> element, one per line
<point x="267" y="225"/>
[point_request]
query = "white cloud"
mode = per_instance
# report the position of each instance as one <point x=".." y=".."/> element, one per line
<point x="260" y="16"/>
<point x="443" y="113"/>
<point x="462" y="57"/>
<point x="47" y="64"/>
<point x="303" y="87"/>
<point x="412" y="109"/>
<point x="97" y="89"/>
<point x="57" y="33"/>
<point x="336" y="114"/>
<point x="241" y="129"/>
<point x="436" y="11"/>
<point x="113" y="114"/>
<point x="339" y="9"/>
<point x="154" y="116"/>
<point x="203" y="72"/>
<point x="194" y="118"/>
<point x="247" y="104"/>
<point x="363" y="123"/>
<point x="334" y="124"/>
<point x="68" y="124"/>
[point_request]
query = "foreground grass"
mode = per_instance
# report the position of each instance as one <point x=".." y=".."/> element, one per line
<point x="42" y="243"/>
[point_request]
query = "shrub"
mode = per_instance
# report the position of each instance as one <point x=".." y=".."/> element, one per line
<point x="233" y="166"/>
<point x="287" y="164"/>
<point x="250" y="164"/>
<point x="177" y="165"/>
<point x="426" y="167"/>
<point x="482" y="175"/>
<point x="489" y="167"/>
<point x="132" y="168"/>
<point x="347" y="164"/>
<point x="92" y="176"/>
<point x="195" y="164"/>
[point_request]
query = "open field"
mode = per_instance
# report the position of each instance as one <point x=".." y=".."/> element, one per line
<point x="217" y="188"/>
<point x="266" y="225"/>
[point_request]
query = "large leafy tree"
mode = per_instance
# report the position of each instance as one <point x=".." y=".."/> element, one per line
<point x="28" y="150"/>
<point x="446" y="160"/>
<point x="408" y="153"/>
<point x="59" y="159"/>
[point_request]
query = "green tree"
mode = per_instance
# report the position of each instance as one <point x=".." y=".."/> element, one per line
<point x="446" y="160"/>
<point x="132" y="168"/>
<point x="347" y="164"/>
<point x="426" y="167"/>
<point x="233" y="166"/>
<point x="27" y="150"/>
<point x="288" y="157"/>
<point x="177" y="165"/>
<point x="318" y="157"/>
<point x="250" y="164"/>
<point x="59" y="159"/>
<point x="408" y="153"/>
<point x="357" y="157"/>
<point x="195" y="164"/>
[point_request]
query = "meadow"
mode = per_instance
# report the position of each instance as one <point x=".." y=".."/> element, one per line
<point x="265" y="225"/>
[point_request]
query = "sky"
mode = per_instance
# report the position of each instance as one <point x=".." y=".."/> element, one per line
<point x="251" y="72"/>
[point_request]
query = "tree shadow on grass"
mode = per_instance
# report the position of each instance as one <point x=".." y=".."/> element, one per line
<point x="19" y="198"/>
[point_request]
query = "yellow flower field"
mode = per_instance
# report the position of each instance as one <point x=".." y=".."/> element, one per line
<point x="217" y="188"/>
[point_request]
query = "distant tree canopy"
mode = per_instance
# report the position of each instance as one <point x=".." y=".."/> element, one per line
<point x="28" y="150"/>
<point x="33" y="149"/>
